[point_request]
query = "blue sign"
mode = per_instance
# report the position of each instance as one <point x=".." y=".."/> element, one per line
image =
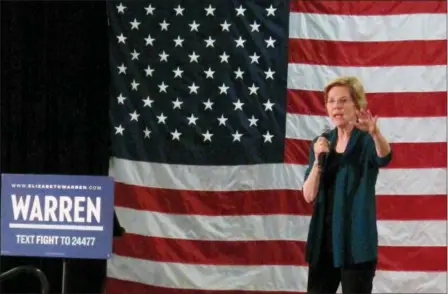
<point x="57" y="216"/>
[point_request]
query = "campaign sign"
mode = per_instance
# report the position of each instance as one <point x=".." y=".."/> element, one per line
<point x="57" y="216"/>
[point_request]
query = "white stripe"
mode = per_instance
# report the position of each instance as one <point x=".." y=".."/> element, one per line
<point x="395" y="129"/>
<point x="370" y="28"/>
<point x="375" y="79"/>
<point x="260" y="177"/>
<point x="266" y="227"/>
<point x="55" y="227"/>
<point x="255" y="278"/>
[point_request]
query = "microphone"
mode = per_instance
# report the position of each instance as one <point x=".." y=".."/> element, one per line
<point x="322" y="158"/>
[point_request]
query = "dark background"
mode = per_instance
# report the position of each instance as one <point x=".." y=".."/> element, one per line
<point x="54" y="111"/>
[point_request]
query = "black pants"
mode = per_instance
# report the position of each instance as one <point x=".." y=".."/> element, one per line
<point x="325" y="278"/>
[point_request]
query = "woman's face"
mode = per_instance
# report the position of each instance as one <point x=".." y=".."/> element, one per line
<point x="340" y="106"/>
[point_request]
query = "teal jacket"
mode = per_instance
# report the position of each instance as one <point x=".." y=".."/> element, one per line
<point x="355" y="237"/>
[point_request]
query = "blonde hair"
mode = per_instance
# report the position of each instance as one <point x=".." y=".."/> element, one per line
<point x="354" y="85"/>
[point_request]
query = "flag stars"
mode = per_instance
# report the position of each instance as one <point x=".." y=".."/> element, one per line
<point x="225" y="26"/>
<point x="240" y="42"/>
<point x="121" y="8"/>
<point x="254" y="58"/>
<point x="161" y="119"/>
<point x="178" y="42"/>
<point x="269" y="74"/>
<point x="193" y="88"/>
<point x="134" y="115"/>
<point x="121" y="39"/>
<point x="135" y="24"/>
<point x="119" y="130"/>
<point x="209" y="73"/>
<point x="222" y="120"/>
<point x="193" y="57"/>
<point x="147" y="133"/>
<point x="270" y="42"/>
<point x="164" y="25"/>
<point x="223" y="89"/>
<point x="121" y="99"/>
<point x="135" y="55"/>
<point x="240" y="10"/>
<point x="253" y="89"/>
<point x="210" y="10"/>
<point x="210" y="42"/>
<point x="239" y="73"/>
<point x="162" y="87"/>
<point x="208" y="104"/>
<point x="177" y="104"/>
<point x="147" y="102"/>
<point x="122" y="69"/>
<point x="207" y="136"/>
<point x="238" y="105"/>
<point x="271" y="10"/>
<point x="175" y="135"/>
<point x="134" y="85"/>
<point x="179" y="10"/>
<point x="224" y="57"/>
<point x="178" y="72"/>
<point x="192" y="119"/>
<point x="149" y="10"/>
<point x="149" y="40"/>
<point x="194" y="26"/>
<point x="254" y="27"/>
<point x="236" y="136"/>
<point x="163" y="56"/>
<point x="149" y="71"/>
<point x="268" y="105"/>
<point x="268" y="137"/>
<point x="253" y="121"/>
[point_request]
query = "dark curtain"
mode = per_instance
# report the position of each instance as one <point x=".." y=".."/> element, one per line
<point x="54" y="110"/>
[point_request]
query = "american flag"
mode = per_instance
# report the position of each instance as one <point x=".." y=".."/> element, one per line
<point x="213" y="107"/>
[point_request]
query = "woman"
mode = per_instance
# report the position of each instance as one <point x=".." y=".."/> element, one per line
<point x="342" y="239"/>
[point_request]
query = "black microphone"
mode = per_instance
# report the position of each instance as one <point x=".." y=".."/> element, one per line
<point x="322" y="158"/>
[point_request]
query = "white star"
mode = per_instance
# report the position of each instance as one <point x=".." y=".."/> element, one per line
<point x="270" y="42"/>
<point x="149" y="71"/>
<point x="121" y="99"/>
<point x="149" y="40"/>
<point x="134" y="115"/>
<point x="121" y="39"/>
<point x="239" y="73"/>
<point x="121" y="8"/>
<point x="208" y="104"/>
<point x="210" y="42"/>
<point x="207" y="136"/>
<point x="240" y="42"/>
<point x="178" y="41"/>
<point x="192" y="119"/>
<point x="161" y="119"/>
<point x="255" y="26"/>
<point x="253" y="121"/>
<point x="178" y="72"/>
<point x="193" y="88"/>
<point x="268" y="137"/>
<point x="134" y="24"/>
<point x="209" y="73"/>
<point x="238" y="105"/>
<point x="254" y="58"/>
<point x="224" y="57"/>
<point x="253" y="89"/>
<point x="122" y="69"/>
<point x="162" y="87"/>
<point x="147" y="133"/>
<point x="193" y="57"/>
<point x="222" y="120"/>
<point x="223" y="89"/>
<point x="149" y="10"/>
<point x="225" y="26"/>
<point x="210" y="10"/>
<point x="163" y="56"/>
<point x="119" y="130"/>
<point x="268" y="105"/>
<point x="240" y="10"/>
<point x="269" y="74"/>
<point x="177" y="104"/>
<point x="147" y="102"/>
<point x="179" y="10"/>
<point x="194" y="26"/>
<point x="164" y="25"/>
<point x="271" y="10"/>
<point x="237" y="136"/>
<point x="134" y="85"/>
<point x="176" y="135"/>
<point x="135" y="55"/>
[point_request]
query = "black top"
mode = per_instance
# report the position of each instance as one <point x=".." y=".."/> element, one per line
<point x="329" y="181"/>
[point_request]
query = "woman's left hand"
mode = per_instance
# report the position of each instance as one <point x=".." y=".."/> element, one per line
<point x="366" y="121"/>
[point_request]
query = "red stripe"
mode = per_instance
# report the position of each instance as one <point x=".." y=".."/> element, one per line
<point x="406" y="258"/>
<point x="424" y="104"/>
<point x="338" y="53"/>
<point x="400" y="207"/>
<point x="114" y="286"/>
<point x="379" y="7"/>
<point x="405" y="155"/>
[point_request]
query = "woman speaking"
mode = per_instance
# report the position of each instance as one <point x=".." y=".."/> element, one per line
<point x="340" y="181"/>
